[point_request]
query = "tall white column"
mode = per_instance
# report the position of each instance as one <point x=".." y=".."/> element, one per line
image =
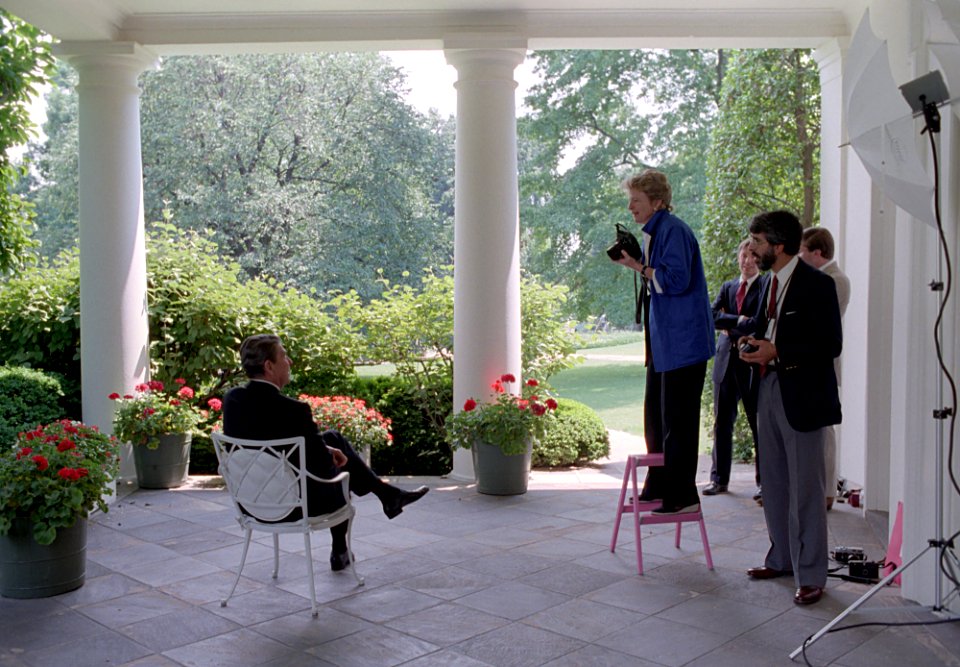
<point x="114" y="336"/>
<point x="486" y="311"/>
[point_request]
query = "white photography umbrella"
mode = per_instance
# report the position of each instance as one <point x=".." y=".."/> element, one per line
<point x="881" y="128"/>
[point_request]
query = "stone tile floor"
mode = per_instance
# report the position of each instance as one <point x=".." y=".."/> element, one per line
<point x="459" y="579"/>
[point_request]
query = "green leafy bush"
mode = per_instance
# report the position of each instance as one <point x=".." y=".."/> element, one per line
<point x="576" y="434"/>
<point x="30" y="398"/>
<point x="418" y="446"/>
<point x="200" y="309"/>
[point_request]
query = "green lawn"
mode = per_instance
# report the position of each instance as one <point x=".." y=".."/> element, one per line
<point x="613" y="388"/>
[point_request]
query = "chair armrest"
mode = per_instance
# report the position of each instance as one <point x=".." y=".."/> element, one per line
<point x="342" y="478"/>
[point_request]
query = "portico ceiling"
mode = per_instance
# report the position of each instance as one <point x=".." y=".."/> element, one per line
<point x="205" y="26"/>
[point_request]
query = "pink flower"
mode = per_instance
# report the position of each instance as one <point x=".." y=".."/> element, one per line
<point x="180" y="381"/>
<point x="155" y="385"/>
<point x="185" y="392"/>
<point x="142" y="387"/>
<point x="469" y="405"/>
<point x="215" y="404"/>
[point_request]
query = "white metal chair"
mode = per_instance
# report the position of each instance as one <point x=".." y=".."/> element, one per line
<point x="267" y="489"/>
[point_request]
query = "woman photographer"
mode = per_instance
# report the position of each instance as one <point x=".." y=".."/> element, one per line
<point x="679" y="340"/>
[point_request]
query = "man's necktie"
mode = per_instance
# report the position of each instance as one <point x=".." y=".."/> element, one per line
<point x="771" y="314"/>
<point x="772" y="304"/>
<point x="741" y="295"/>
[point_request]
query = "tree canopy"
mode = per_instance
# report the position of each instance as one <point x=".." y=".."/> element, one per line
<point x="25" y="64"/>
<point x="764" y="150"/>
<point x="307" y="167"/>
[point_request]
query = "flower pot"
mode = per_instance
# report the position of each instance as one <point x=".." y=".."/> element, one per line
<point x="166" y="466"/>
<point x="31" y="570"/>
<point x="499" y="474"/>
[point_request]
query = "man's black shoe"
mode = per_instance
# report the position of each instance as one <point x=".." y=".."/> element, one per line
<point x="713" y="489"/>
<point x="758" y="496"/>
<point x="339" y="561"/>
<point x="395" y="505"/>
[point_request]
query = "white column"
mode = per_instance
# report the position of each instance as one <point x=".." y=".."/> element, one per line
<point x="486" y="311"/>
<point x="113" y="275"/>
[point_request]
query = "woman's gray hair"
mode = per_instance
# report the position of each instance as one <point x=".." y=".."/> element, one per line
<point x="652" y="183"/>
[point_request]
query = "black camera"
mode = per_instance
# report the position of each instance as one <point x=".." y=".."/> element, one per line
<point x="746" y="348"/>
<point x="626" y="241"/>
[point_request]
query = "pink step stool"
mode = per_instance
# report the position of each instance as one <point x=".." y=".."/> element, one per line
<point x="635" y="506"/>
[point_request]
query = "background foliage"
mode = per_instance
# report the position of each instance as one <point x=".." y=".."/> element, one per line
<point x="25" y="64"/>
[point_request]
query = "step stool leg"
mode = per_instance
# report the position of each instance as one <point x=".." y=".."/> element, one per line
<point x="623" y="496"/>
<point x="706" y="543"/>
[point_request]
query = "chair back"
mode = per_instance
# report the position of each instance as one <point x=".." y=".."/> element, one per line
<point x="266" y="478"/>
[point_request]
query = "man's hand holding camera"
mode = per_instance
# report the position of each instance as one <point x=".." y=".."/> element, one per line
<point x="756" y="350"/>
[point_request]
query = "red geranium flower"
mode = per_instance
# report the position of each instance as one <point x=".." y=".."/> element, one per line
<point x="180" y="381"/>
<point x="537" y="408"/>
<point x="114" y="396"/>
<point x="65" y="445"/>
<point x="185" y="392"/>
<point x="26" y="451"/>
<point x="507" y="377"/>
<point x="532" y="383"/>
<point x="552" y="404"/>
<point x="469" y="405"/>
<point x="215" y="404"/>
<point x="41" y="461"/>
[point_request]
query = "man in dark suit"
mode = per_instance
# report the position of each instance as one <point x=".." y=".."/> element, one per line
<point x="732" y="309"/>
<point x="258" y="411"/>
<point x="799" y="320"/>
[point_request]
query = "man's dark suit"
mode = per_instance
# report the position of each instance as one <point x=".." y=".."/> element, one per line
<point x="731" y="376"/>
<point x="798" y="396"/>
<point x="258" y="411"/>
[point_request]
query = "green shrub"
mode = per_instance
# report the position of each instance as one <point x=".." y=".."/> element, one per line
<point x="200" y="309"/>
<point x="418" y="446"/>
<point x="30" y="398"/>
<point x="576" y="434"/>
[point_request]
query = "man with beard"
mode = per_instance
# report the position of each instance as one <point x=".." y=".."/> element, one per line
<point x="799" y="321"/>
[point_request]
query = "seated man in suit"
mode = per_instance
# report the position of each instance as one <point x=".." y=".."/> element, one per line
<point x="732" y="379"/>
<point x="258" y="411"/>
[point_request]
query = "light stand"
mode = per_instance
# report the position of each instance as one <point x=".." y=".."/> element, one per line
<point x="924" y="95"/>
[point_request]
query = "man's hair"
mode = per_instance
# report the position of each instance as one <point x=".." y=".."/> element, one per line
<point x="256" y="351"/>
<point x="652" y="183"/>
<point x="780" y="227"/>
<point x="819" y="238"/>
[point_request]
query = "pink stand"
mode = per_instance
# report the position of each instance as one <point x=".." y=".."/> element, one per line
<point x="893" y="559"/>
<point x="635" y="506"/>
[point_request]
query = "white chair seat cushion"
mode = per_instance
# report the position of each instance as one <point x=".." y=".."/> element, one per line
<point x="266" y="484"/>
